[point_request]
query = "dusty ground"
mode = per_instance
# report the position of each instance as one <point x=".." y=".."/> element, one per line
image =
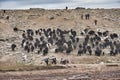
<point x="71" y="72"/>
<point x="80" y="68"/>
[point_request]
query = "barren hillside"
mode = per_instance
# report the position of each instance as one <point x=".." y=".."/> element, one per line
<point x="35" y="18"/>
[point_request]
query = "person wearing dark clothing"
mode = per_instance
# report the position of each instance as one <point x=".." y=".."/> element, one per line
<point x="82" y="16"/>
<point x="87" y="16"/>
<point x="95" y="21"/>
<point x="66" y="8"/>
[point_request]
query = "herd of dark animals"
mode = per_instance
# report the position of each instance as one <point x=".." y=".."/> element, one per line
<point x="66" y="41"/>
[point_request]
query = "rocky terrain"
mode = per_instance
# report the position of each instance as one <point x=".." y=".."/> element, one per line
<point x="108" y="19"/>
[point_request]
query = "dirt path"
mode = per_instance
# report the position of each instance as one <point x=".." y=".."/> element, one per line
<point x="110" y="75"/>
<point x="72" y="72"/>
